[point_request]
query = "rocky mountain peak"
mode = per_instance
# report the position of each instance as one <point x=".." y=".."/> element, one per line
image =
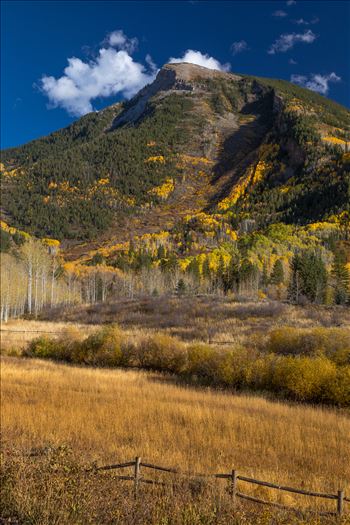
<point x="180" y="76"/>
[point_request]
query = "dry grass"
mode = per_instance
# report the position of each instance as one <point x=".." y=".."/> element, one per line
<point x="189" y="318"/>
<point x="202" y="318"/>
<point x="82" y="415"/>
<point x="17" y="333"/>
<point x="112" y="415"/>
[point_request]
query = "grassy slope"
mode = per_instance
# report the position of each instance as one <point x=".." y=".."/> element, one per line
<point x="107" y="415"/>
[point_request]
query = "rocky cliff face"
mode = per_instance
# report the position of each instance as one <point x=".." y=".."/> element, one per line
<point x="172" y="77"/>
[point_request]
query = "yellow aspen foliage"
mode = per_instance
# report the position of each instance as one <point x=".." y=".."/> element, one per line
<point x="163" y="191"/>
<point x="51" y="242"/>
<point x="284" y="189"/>
<point x="184" y="263"/>
<point x="335" y="140"/>
<point x="157" y="158"/>
<point x="12" y="230"/>
<point x="253" y="175"/>
<point x="260" y="170"/>
<point x="103" y="182"/>
<point x="130" y="201"/>
<point x="322" y="226"/>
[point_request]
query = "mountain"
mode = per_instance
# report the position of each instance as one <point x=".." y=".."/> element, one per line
<point x="195" y="145"/>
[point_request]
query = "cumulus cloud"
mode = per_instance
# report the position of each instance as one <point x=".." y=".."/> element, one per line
<point x="279" y="13"/>
<point x="318" y="83"/>
<point x="238" y="47"/>
<point x="288" y="40"/>
<point x="119" y="40"/>
<point x="291" y="2"/>
<point x="112" y="72"/>
<point x="292" y="61"/>
<point x="196" y="57"/>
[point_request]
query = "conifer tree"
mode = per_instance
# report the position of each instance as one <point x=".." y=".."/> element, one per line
<point x="341" y="278"/>
<point x="277" y="274"/>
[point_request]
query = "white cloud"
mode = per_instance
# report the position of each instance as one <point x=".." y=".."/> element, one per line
<point x="302" y="22"/>
<point x="152" y="65"/>
<point x="292" y="61"/>
<point x="288" y="40"/>
<point x="112" y="72"/>
<point x="196" y="57"/>
<point x="238" y="47"/>
<point x="279" y="14"/>
<point x="291" y="2"/>
<point x="119" y="40"/>
<point x="318" y="83"/>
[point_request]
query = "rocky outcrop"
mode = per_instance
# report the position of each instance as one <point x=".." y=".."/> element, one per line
<point x="172" y="77"/>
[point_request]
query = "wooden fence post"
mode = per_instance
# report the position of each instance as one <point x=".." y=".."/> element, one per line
<point x="234" y="486"/>
<point x="340" y="502"/>
<point x="136" y="476"/>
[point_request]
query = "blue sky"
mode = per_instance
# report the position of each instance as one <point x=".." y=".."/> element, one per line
<point x="118" y="46"/>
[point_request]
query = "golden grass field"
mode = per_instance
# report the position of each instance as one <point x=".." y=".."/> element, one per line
<point x="113" y="415"/>
<point x="79" y="416"/>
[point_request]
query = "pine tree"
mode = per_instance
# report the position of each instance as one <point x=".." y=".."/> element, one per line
<point x="277" y="274"/>
<point x="161" y="253"/>
<point x="231" y="277"/>
<point x="341" y="278"/>
<point x="194" y="269"/>
<point x="220" y="273"/>
<point x="308" y="278"/>
<point x="264" y="279"/>
<point x="206" y="272"/>
<point x="314" y="277"/>
<point x="180" y="287"/>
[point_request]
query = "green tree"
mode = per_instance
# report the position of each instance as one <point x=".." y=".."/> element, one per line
<point x="5" y="241"/>
<point x="341" y="278"/>
<point x="180" y="287"/>
<point x="308" y="278"/>
<point x="161" y="253"/>
<point x="194" y="269"/>
<point x="277" y="274"/>
<point x="206" y="272"/>
<point x="264" y="279"/>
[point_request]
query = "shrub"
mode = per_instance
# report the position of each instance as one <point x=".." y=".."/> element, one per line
<point x="202" y="361"/>
<point x="162" y="352"/>
<point x="68" y="345"/>
<point x="235" y="367"/>
<point x="311" y="376"/>
<point x="102" y="348"/>
<point x="42" y="347"/>
<point x="338" y="389"/>
<point x="331" y="342"/>
<point x="302" y="378"/>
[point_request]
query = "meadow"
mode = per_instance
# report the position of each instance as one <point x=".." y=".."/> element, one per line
<point x="59" y="419"/>
<point x="146" y="378"/>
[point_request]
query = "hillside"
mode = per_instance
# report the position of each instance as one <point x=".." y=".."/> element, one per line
<point x="194" y="140"/>
<point x="204" y="182"/>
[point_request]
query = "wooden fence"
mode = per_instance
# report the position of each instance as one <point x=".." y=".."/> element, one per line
<point x="233" y="477"/>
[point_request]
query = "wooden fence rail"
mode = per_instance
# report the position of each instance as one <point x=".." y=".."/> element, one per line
<point x="233" y="477"/>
